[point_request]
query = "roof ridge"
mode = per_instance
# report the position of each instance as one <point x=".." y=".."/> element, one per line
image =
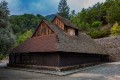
<point x="51" y="25"/>
<point x="61" y="30"/>
<point x="66" y="21"/>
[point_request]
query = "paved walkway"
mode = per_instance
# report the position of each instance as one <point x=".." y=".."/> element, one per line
<point x="109" y="71"/>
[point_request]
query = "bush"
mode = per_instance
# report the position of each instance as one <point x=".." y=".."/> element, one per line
<point x="96" y="24"/>
<point x="97" y="34"/>
<point x="115" y="30"/>
<point x="7" y="38"/>
<point x="84" y="26"/>
<point x="24" y="37"/>
<point x="1" y="56"/>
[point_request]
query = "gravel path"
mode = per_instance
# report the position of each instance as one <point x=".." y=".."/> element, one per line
<point x="109" y="71"/>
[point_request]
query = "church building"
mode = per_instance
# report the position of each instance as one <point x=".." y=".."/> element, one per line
<point x="57" y="45"/>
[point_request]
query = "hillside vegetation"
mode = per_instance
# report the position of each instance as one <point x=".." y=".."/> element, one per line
<point x="93" y="18"/>
<point x="24" y="25"/>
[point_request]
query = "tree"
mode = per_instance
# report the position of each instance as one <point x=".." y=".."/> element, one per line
<point x="115" y="30"/>
<point x="22" y="23"/>
<point x="63" y="9"/>
<point x="97" y="33"/>
<point x="72" y="15"/>
<point x="4" y="12"/>
<point x="97" y="17"/>
<point x="106" y="12"/>
<point x="7" y="38"/>
<point x="24" y="37"/>
<point x="96" y="24"/>
<point x="113" y="13"/>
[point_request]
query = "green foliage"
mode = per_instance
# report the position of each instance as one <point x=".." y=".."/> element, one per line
<point x="4" y="12"/>
<point x="84" y="26"/>
<point x="97" y="34"/>
<point x="73" y="12"/>
<point x="113" y="13"/>
<point x="115" y="30"/>
<point x="7" y="39"/>
<point x="96" y="24"/>
<point x="72" y="15"/>
<point x="103" y="12"/>
<point x="1" y="56"/>
<point x="97" y="16"/>
<point x="22" y="23"/>
<point x="94" y="16"/>
<point x="24" y="37"/>
<point x="63" y="9"/>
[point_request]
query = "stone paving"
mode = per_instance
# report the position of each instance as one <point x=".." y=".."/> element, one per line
<point x="108" y="71"/>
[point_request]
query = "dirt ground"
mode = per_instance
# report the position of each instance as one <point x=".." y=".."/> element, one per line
<point x="109" y="71"/>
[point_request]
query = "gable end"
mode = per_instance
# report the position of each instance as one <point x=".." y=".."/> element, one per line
<point x="43" y="29"/>
<point x="60" y="22"/>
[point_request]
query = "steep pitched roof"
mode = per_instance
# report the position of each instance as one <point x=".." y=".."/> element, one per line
<point x="60" y="41"/>
<point x="66" y="22"/>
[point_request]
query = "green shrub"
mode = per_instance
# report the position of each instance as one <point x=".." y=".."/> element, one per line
<point x="96" y="24"/>
<point x="84" y="26"/>
<point x="115" y="30"/>
<point x="97" y="34"/>
<point x="1" y="56"/>
<point x="24" y="37"/>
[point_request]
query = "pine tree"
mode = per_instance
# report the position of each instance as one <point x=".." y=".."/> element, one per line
<point x="63" y="9"/>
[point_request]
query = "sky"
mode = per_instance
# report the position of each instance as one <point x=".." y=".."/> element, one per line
<point x="46" y="7"/>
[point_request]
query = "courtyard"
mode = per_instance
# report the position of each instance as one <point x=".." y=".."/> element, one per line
<point x="106" y="71"/>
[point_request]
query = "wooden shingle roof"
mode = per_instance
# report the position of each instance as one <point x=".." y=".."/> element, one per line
<point x="60" y="41"/>
<point x="38" y="44"/>
<point x="66" y="22"/>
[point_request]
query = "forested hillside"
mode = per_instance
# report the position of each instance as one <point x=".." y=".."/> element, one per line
<point x="93" y="18"/>
<point x="24" y="25"/>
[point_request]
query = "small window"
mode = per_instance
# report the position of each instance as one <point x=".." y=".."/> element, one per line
<point x="65" y="28"/>
<point x="71" y="31"/>
<point x="76" y="32"/>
